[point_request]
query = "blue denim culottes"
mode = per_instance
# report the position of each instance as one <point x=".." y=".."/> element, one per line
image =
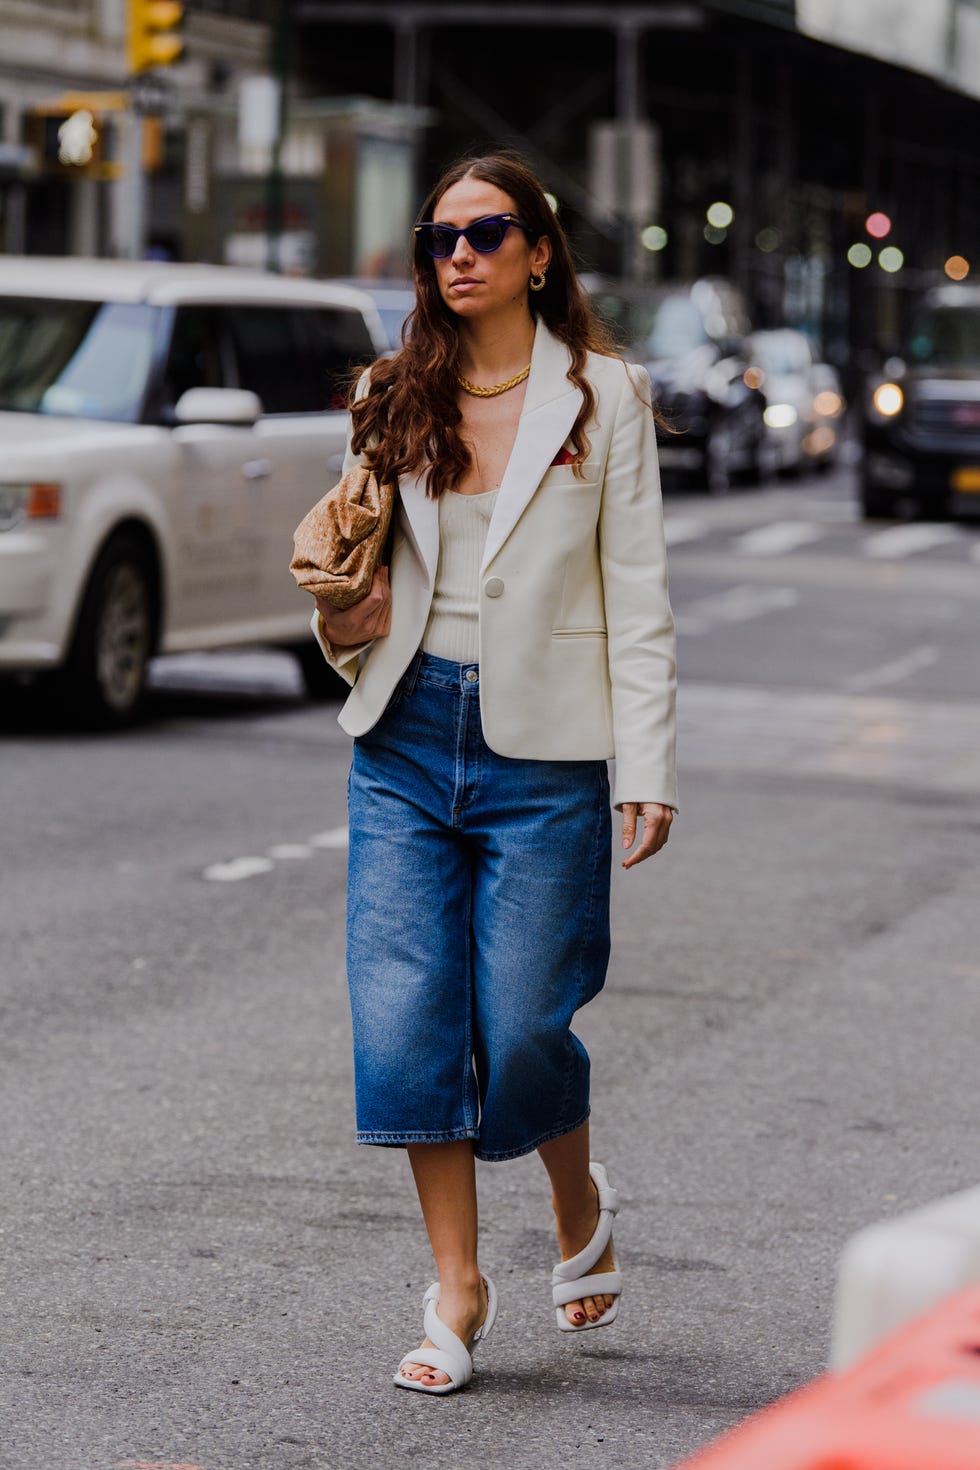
<point x="477" y="924"/>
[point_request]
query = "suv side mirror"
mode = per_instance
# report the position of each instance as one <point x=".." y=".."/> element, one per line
<point x="217" y="406"/>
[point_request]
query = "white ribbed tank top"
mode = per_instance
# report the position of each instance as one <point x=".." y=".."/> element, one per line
<point x="453" y="629"/>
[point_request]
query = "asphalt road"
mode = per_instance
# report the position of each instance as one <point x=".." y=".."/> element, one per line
<point x="199" y="1266"/>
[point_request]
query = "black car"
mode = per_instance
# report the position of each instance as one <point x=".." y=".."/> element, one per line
<point x="693" y="341"/>
<point x="921" y="422"/>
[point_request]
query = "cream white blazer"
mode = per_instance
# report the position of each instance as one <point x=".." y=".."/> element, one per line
<point x="576" y="633"/>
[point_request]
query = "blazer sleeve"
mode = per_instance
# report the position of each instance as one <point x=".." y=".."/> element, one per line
<point x="345" y="661"/>
<point x="639" y="622"/>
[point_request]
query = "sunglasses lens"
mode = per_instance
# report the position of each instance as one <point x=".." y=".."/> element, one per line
<point x="439" y="242"/>
<point x="486" y="237"/>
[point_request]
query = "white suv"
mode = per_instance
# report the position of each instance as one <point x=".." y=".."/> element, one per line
<point x="163" y="428"/>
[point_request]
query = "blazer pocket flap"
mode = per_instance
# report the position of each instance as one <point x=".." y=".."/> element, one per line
<point x="579" y="633"/>
<point x="567" y="474"/>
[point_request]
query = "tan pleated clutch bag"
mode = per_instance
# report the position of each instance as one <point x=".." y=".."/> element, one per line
<point x="339" y="544"/>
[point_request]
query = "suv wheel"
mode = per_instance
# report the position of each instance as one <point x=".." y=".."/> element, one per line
<point x="877" y="504"/>
<point x="105" y="672"/>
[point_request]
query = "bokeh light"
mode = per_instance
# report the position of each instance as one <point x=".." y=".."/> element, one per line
<point x="768" y="239"/>
<point x="828" y="403"/>
<point x="780" y="416"/>
<point x="552" y="203"/>
<point x="654" y="237"/>
<point x="859" y="255"/>
<point x="957" y="268"/>
<point x="888" y="399"/>
<point x="819" y="440"/>
<point x="878" y="225"/>
<point x="714" y="235"/>
<point x="753" y="377"/>
<point x="720" y="215"/>
<point x="891" y="259"/>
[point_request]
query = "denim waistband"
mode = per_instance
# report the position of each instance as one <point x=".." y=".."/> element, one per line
<point x="441" y="673"/>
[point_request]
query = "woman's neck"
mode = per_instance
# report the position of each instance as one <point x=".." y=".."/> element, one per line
<point x="494" y="350"/>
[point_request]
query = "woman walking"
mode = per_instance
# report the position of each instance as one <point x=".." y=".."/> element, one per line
<point x="522" y="638"/>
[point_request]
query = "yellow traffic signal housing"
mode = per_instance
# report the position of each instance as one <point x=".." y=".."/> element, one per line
<point x="152" y="41"/>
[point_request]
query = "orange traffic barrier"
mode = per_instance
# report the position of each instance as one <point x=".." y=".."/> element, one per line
<point x="913" y="1403"/>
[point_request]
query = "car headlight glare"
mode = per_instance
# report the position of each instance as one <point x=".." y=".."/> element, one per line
<point x="780" y="416"/>
<point x="22" y="501"/>
<point x="888" y="400"/>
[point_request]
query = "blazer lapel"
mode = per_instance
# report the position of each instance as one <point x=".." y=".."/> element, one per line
<point x="551" y="404"/>
<point x="421" y="522"/>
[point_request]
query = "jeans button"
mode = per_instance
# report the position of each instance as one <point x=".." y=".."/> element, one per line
<point x="471" y="676"/>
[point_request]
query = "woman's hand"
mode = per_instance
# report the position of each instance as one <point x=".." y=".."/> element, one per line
<point x="656" y="829"/>
<point x="367" y="619"/>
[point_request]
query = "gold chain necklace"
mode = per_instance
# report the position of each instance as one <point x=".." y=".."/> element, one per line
<point x="472" y="388"/>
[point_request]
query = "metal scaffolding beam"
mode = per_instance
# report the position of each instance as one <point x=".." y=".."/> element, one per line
<point x="462" y="12"/>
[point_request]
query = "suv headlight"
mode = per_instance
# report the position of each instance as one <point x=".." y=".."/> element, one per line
<point x="28" y="501"/>
<point x="888" y="400"/>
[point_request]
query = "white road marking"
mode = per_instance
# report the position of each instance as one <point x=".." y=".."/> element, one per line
<point x="894" y="672"/>
<point x="926" y="745"/>
<point x="677" y="529"/>
<point x="899" y="541"/>
<point x="247" y="867"/>
<point x="736" y="605"/>
<point x="336" y="837"/>
<point x="238" y="868"/>
<point x="836" y="512"/>
<point x="774" y="539"/>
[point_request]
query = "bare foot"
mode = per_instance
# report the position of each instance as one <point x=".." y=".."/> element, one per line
<point x="574" y="1236"/>
<point x="464" y="1310"/>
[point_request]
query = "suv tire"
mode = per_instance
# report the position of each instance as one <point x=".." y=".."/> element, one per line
<point x="104" y="675"/>
<point x="877" y="504"/>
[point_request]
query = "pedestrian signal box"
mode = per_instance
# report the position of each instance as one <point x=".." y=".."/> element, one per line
<point x="153" y="40"/>
<point x="68" y="140"/>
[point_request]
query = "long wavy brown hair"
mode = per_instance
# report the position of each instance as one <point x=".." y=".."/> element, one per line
<point x="409" y="417"/>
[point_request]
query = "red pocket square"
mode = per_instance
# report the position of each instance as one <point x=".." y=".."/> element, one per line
<point x="564" y="456"/>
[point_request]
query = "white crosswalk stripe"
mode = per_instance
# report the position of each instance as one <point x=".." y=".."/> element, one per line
<point x="900" y="541"/>
<point x="677" y="529"/>
<point x="777" y="538"/>
<point x="735" y="605"/>
<point x="894" y="672"/>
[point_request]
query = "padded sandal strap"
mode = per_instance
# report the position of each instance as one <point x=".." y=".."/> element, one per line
<point x="605" y="1283"/>
<point x="449" y="1355"/>
<point x="445" y="1362"/>
<point x="579" y="1266"/>
<point x="608" y="1197"/>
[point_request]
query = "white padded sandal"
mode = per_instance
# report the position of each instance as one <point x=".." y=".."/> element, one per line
<point x="450" y="1354"/>
<point x="571" y="1281"/>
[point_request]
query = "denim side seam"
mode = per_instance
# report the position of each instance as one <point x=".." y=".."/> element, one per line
<point x="468" y="1080"/>
<point x="588" y="930"/>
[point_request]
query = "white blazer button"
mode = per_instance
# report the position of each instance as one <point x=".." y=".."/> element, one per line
<point x="494" y="587"/>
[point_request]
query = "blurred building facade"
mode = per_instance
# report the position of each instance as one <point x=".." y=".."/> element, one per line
<point x="802" y="116"/>
<point x="52" y="50"/>
<point x="230" y="173"/>
<point x="797" y="118"/>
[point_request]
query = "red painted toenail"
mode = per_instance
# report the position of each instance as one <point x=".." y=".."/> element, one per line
<point x="579" y="1316"/>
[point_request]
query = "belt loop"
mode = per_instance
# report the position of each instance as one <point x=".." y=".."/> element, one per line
<point x="411" y="674"/>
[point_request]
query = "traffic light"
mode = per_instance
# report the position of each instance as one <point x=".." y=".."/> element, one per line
<point x="152" y="38"/>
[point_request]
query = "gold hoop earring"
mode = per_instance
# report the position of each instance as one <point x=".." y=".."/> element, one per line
<point x="537" y="283"/>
